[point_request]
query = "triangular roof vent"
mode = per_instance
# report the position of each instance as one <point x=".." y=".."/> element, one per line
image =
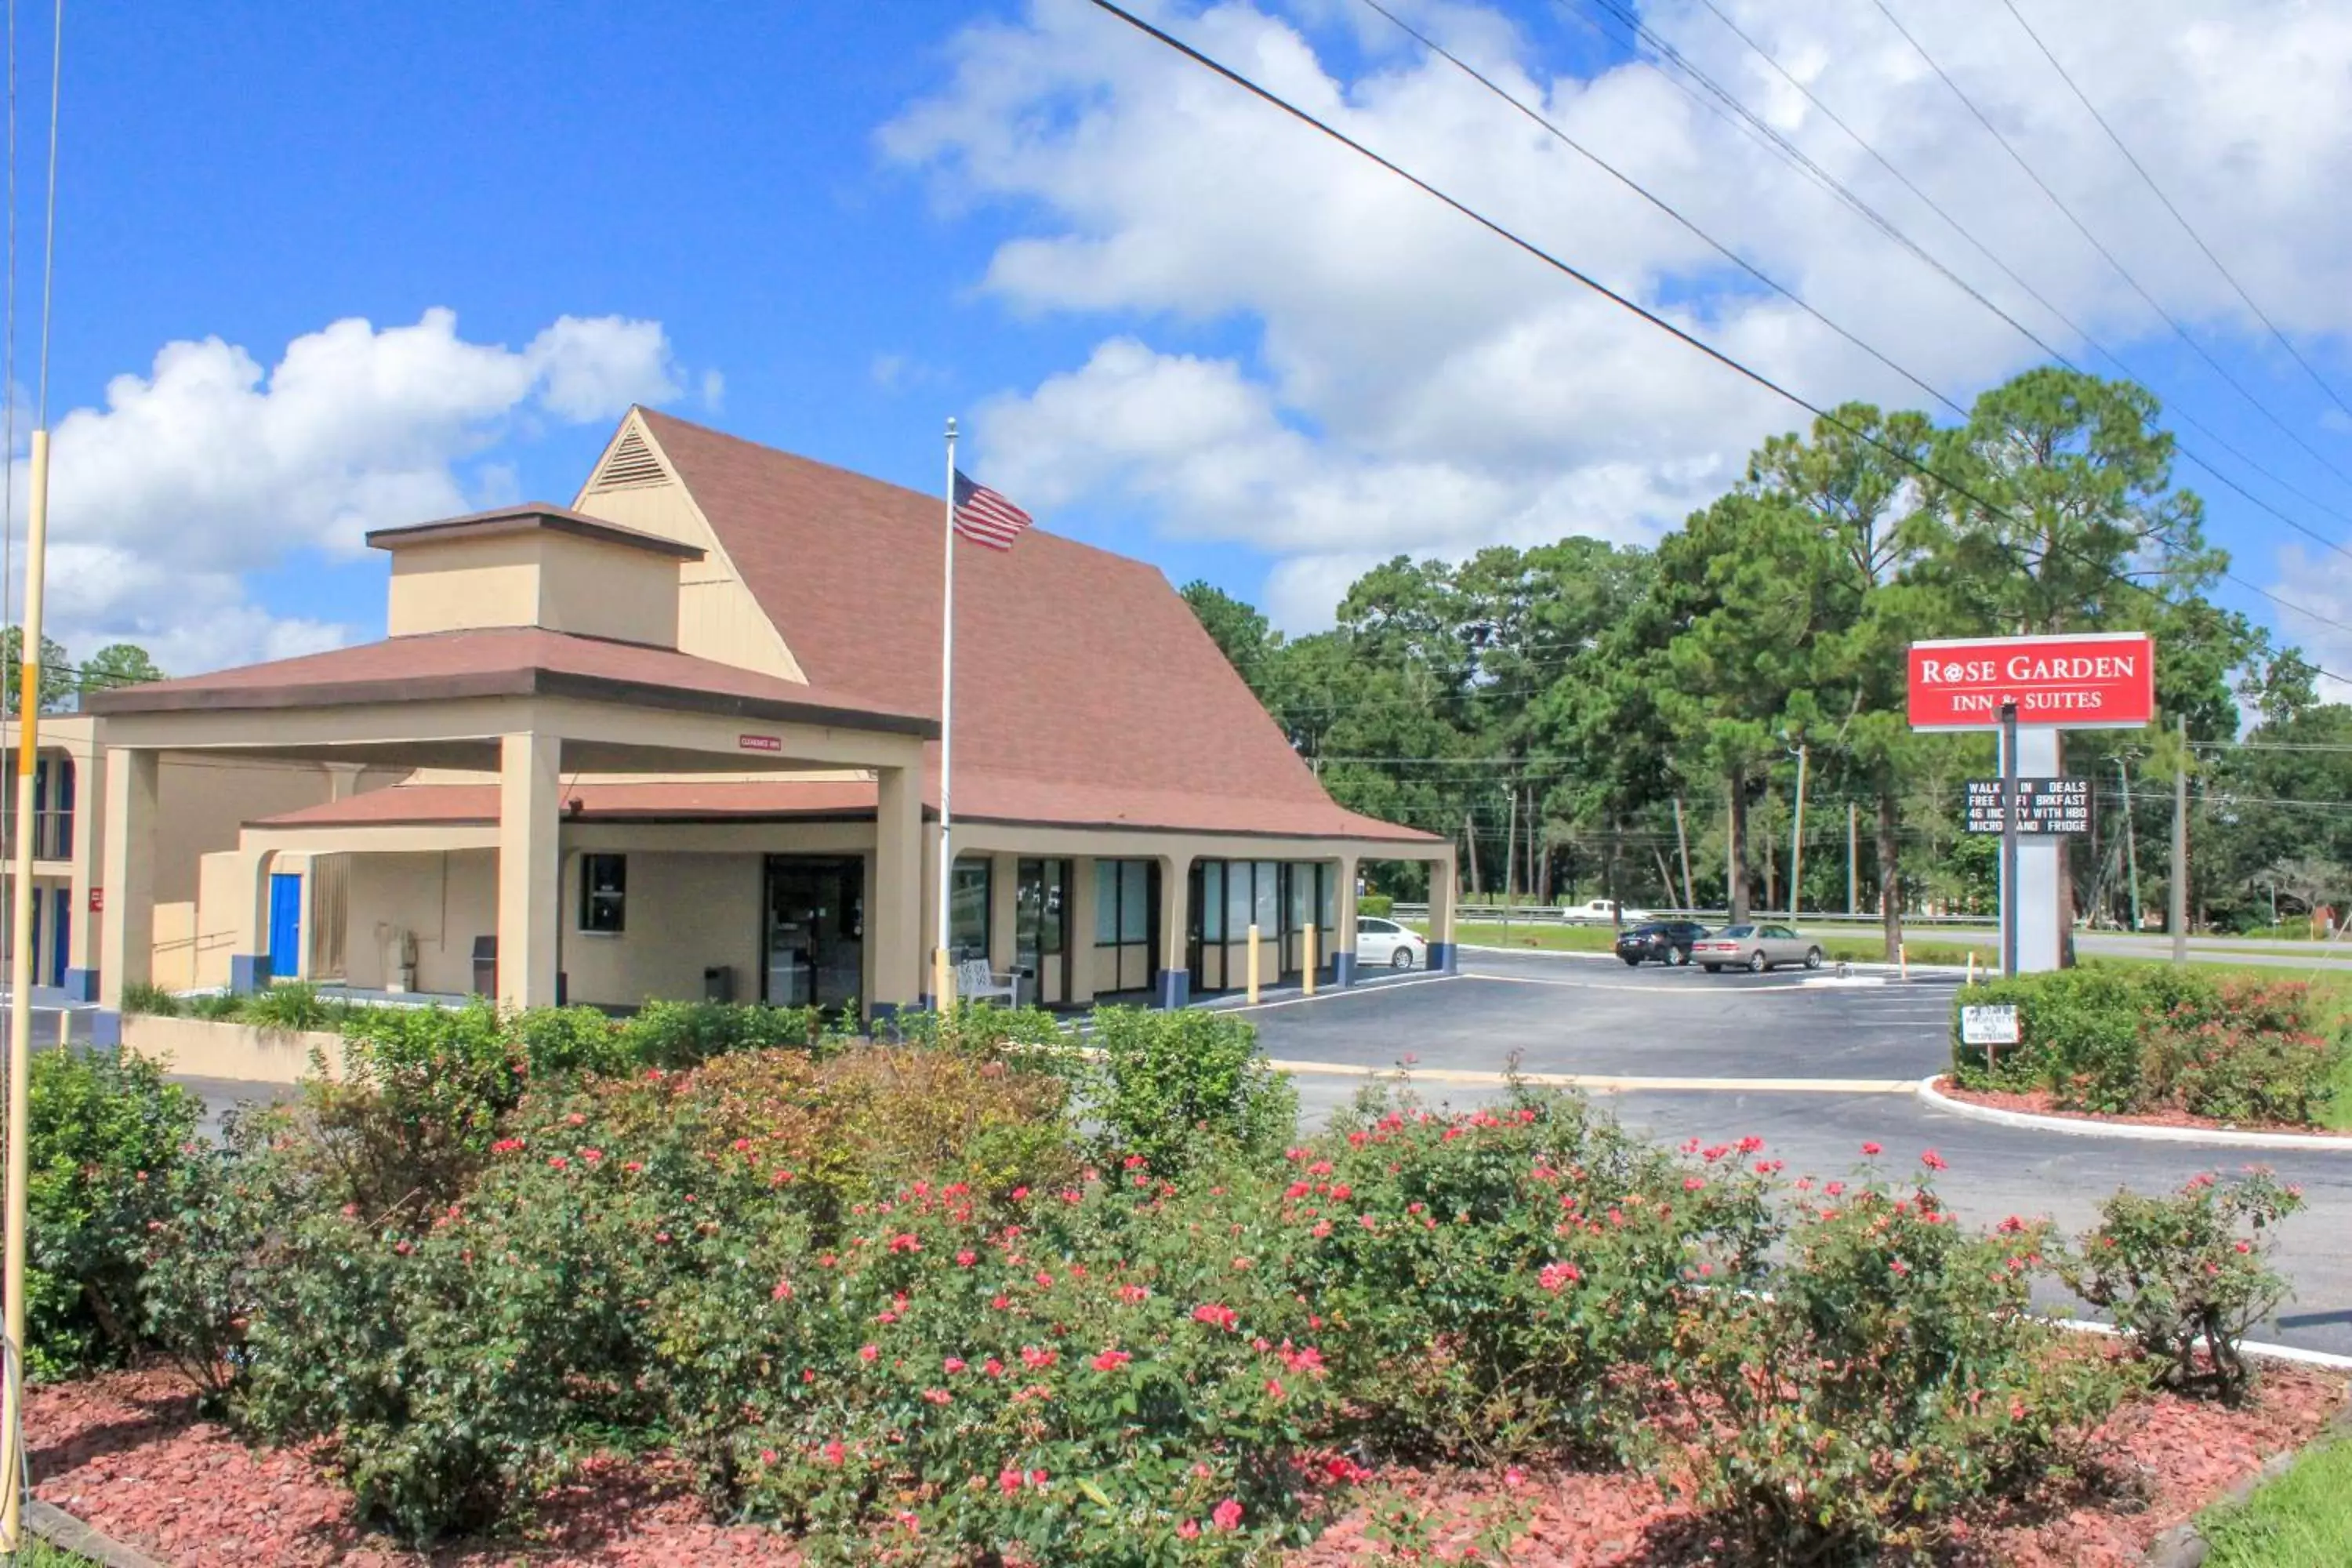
<point x="632" y="465"/>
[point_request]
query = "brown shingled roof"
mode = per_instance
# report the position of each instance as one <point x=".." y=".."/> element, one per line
<point x="513" y="662"/>
<point x="1087" y="692"/>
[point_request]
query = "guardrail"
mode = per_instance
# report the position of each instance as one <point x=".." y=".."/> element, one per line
<point x="1548" y="914"/>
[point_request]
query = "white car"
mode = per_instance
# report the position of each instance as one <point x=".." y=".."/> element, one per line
<point x="1601" y="911"/>
<point x="1384" y="944"/>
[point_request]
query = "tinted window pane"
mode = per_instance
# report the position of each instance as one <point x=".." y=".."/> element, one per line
<point x="1269" y="899"/>
<point x="1134" y="920"/>
<point x="1107" y="902"/>
<point x="968" y="910"/>
<point x="1212" y="900"/>
<point x="1240" y="908"/>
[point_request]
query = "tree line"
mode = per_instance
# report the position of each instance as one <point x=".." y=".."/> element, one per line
<point x="1656" y="723"/>
<point x="63" y="681"/>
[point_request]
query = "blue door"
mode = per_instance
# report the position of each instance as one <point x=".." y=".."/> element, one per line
<point x="63" y="947"/>
<point x="285" y="924"/>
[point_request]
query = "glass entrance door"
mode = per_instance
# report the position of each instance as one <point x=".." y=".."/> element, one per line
<point x="815" y="947"/>
<point x="1040" y="934"/>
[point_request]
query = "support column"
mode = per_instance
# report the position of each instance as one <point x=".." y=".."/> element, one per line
<point x="1342" y="936"/>
<point x="2040" y="942"/>
<point x="895" y="922"/>
<point x="249" y="957"/>
<point x="531" y="789"/>
<point x="88" y="847"/>
<point x="1444" y="957"/>
<point x="127" y="945"/>
<point x="1003" y="877"/>
<point x="1175" y="971"/>
<point x="1079" y="935"/>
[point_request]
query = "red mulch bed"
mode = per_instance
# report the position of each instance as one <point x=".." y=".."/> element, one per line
<point x="2041" y="1102"/>
<point x="127" y="1452"/>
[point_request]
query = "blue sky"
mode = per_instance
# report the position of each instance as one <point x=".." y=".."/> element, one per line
<point x="1174" y="327"/>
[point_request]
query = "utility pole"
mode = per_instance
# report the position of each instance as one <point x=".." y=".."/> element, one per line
<point x="1796" y="839"/>
<point x="1681" y="842"/>
<point x="2180" y="846"/>
<point x="2131" y="856"/>
<point x="1852" y="861"/>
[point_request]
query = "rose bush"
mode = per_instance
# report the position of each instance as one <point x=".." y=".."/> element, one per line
<point x="2187" y="1272"/>
<point x="1890" y="1380"/>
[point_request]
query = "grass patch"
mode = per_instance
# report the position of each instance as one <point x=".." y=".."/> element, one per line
<point x="35" y="1553"/>
<point x="1836" y="945"/>
<point x="2301" y="1519"/>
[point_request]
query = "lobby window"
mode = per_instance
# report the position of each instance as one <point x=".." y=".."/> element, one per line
<point x="968" y="910"/>
<point x="1212" y="900"/>
<point x="603" y="894"/>
<point x="1122" y="902"/>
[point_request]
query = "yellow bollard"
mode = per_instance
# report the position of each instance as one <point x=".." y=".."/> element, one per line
<point x="1903" y="959"/>
<point x="1310" y="960"/>
<point x="1252" y="966"/>
<point x="1972" y="966"/>
<point x="942" y="979"/>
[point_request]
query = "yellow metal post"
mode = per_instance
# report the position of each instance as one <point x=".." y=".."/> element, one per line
<point x="1308" y="980"/>
<point x="1972" y="966"/>
<point x="1902" y="960"/>
<point x="943" y="986"/>
<point x="1253" y="965"/>
<point x="20" y="1007"/>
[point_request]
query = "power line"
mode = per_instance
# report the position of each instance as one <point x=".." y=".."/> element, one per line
<point x="2121" y="270"/>
<point x="1805" y="164"/>
<point x="2157" y="191"/>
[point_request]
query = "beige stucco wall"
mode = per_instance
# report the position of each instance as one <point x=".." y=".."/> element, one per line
<point x="445" y="899"/>
<point x="200" y="1048"/>
<point x="463" y="582"/>
<point x="683" y="912"/>
<point x="548" y="579"/>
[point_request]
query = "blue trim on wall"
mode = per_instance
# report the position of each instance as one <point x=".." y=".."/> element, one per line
<point x="247" y="973"/>
<point x="1444" y="958"/>
<point x="1175" y="988"/>
<point x="1343" y="970"/>
<point x="81" y="985"/>
<point x="102" y="1028"/>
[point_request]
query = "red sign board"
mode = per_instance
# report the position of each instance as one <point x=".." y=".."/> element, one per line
<point x="98" y="901"/>
<point x="761" y="743"/>
<point x="2092" y="681"/>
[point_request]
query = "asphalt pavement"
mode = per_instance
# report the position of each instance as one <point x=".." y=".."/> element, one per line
<point x="1571" y="1014"/>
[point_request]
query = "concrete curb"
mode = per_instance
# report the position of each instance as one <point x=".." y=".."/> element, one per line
<point x="2082" y="1128"/>
<point x="64" y="1532"/>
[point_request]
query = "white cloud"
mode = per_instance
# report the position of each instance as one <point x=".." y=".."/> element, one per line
<point x="212" y="465"/>
<point x="1411" y="382"/>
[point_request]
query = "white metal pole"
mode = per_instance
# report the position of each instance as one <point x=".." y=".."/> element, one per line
<point x="943" y="965"/>
<point x="20" y="1003"/>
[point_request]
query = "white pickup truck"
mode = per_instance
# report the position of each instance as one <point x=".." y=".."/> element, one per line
<point x="1601" y="911"/>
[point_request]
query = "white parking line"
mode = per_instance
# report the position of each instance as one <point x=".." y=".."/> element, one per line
<point x="1612" y="1081"/>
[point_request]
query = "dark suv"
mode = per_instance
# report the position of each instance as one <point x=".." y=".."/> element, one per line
<point x="1668" y="941"/>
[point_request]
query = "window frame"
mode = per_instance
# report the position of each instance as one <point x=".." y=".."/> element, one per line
<point x="593" y="896"/>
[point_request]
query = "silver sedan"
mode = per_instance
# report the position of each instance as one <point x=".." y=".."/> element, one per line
<point x="1755" y="948"/>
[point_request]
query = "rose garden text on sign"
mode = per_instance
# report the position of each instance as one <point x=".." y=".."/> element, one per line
<point x="2102" y="681"/>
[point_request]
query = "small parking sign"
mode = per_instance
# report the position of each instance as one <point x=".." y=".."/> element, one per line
<point x="1988" y="1026"/>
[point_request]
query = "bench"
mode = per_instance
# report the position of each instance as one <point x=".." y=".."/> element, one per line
<point x="976" y="982"/>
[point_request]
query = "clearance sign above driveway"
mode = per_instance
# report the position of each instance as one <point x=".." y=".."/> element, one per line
<point x="2092" y="681"/>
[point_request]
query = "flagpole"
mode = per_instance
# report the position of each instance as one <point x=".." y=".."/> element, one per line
<point x="942" y="968"/>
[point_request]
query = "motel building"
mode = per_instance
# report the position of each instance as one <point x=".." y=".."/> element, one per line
<point x="680" y="740"/>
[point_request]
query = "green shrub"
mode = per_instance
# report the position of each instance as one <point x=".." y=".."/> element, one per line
<point x="107" y="1135"/>
<point x="2115" y="1039"/>
<point x="293" y="1005"/>
<point x="1890" y="1380"/>
<point x="2187" y="1270"/>
<point x="1167" y="1083"/>
<point x="679" y="1034"/>
<point x="1489" y="1275"/>
<point x="217" y="1006"/>
<point x="1379" y="905"/>
<point x="141" y="996"/>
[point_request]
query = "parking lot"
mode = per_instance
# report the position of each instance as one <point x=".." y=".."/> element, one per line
<point x="1816" y="1070"/>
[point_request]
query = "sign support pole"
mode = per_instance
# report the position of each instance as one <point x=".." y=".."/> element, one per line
<point x="2008" y="889"/>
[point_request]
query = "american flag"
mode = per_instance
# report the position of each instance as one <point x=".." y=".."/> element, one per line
<point x="985" y="517"/>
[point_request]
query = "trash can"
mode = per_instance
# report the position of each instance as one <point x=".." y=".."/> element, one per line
<point x="718" y="983"/>
<point x="485" y="966"/>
